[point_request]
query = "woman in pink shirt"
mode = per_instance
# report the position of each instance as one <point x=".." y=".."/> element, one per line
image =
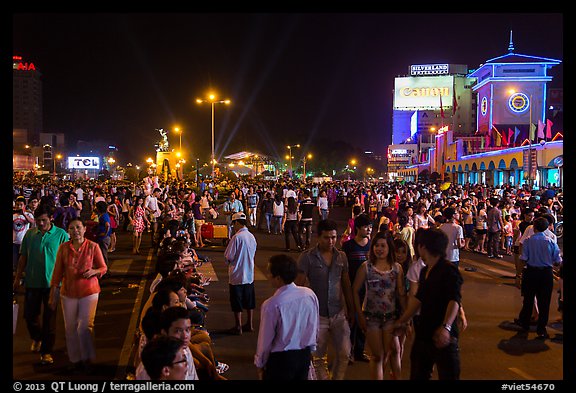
<point x="79" y="265"/>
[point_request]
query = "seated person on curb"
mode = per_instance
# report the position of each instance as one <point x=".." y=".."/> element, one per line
<point x="164" y="358"/>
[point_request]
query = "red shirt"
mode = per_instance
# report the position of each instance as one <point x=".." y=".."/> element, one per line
<point x="71" y="265"/>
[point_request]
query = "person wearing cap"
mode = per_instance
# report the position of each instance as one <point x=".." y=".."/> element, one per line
<point x="239" y="256"/>
<point x="232" y="206"/>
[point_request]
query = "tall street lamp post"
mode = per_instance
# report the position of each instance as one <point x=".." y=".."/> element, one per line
<point x="212" y="100"/>
<point x="179" y="132"/>
<point x="290" y="156"/>
<point x="306" y="157"/>
<point x="58" y="156"/>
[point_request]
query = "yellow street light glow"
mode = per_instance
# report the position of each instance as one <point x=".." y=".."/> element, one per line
<point x="353" y="162"/>
<point x="309" y="155"/>
<point x="231" y="165"/>
<point x="178" y="154"/>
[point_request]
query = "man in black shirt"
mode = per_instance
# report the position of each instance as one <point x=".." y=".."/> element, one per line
<point x="517" y="249"/>
<point x="438" y="299"/>
<point x="306" y="212"/>
<point x="357" y="250"/>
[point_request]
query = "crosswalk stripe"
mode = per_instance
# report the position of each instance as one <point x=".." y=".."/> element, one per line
<point x="207" y="270"/>
<point x="121" y="266"/>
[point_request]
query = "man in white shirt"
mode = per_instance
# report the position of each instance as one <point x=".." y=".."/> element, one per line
<point x="151" y="205"/>
<point x="21" y="222"/>
<point x="455" y="235"/>
<point x="239" y="255"/>
<point x="289" y="322"/>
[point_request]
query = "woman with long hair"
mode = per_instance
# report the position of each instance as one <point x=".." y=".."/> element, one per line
<point x="383" y="279"/>
<point x="290" y="223"/>
<point x="139" y="222"/>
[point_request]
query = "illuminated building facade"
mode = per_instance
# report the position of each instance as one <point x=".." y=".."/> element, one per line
<point x="26" y="103"/>
<point x="514" y="142"/>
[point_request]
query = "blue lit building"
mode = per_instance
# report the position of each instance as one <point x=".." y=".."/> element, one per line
<point x="513" y="137"/>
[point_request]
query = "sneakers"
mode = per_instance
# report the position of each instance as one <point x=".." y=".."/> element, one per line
<point x="35" y="347"/>
<point x="222" y="368"/>
<point x="46" y="359"/>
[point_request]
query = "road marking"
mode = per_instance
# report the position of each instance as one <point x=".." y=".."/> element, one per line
<point x="521" y="373"/>
<point x="129" y="339"/>
<point x="207" y="270"/>
<point x="121" y="266"/>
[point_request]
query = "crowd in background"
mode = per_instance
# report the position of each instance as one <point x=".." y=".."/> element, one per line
<point x="485" y="219"/>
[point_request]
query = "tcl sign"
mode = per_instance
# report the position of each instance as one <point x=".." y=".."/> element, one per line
<point x="83" y="162"/>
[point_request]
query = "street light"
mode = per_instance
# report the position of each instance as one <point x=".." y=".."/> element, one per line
<point x="179" y="132"/>
<point x="58" y="156"/>
<point x="308" y="156"/>
<point x="290" y="156"/>
<point x="212" y="100"/>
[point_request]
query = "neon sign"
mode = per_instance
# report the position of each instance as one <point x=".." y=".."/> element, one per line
<point x="83" y="162"/>
<point x="429" y="69"/>
<point x="484" y="106"/>
<point x="518" y="102"/>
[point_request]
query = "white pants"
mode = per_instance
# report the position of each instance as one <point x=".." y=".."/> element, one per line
<point x="252" y="215"/>
<point x="79" y="326"/>
<point x="338" y="329"/>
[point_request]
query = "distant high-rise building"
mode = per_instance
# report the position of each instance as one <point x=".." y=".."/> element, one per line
<point x="26" y="101"/>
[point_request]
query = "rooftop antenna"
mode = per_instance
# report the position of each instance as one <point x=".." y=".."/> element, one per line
<point x="511" y="44"/>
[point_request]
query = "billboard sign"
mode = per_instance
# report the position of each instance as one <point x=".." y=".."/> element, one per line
<point x="425" y="92"/>
<point x="83" y="162"/>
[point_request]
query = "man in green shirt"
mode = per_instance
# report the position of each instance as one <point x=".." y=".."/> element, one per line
<point x="37" y="258"/>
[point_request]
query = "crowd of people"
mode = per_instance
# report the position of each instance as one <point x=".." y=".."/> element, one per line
<point x="392" y="275"/>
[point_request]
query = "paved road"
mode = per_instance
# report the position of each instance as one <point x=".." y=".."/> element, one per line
<point x="490" y="348"/>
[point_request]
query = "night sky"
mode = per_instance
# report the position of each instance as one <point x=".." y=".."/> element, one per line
<point x="292" y="77"/>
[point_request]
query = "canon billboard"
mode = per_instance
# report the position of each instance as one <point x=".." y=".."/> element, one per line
<point x="411" y="93"/>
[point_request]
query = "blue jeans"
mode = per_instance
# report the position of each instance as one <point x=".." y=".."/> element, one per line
<point x="268" y="220"/>
<point x="324" y="213"/>
<point x="277" y="224"/>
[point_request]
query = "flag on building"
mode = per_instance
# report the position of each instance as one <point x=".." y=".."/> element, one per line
<point x="497" y="136"/>
<point x="454" y="103"/>
<point x="482" y="140"/>
<point x="510" y="134"/>
<point x="488" y="140"/>
<point x="532" y="132"/>
<point x="540" y="134"/>
<point x="441" y="108"/>
<point x="549" y="125"/>
<point x="504" y="140"/>
<point x="516" y="134"/>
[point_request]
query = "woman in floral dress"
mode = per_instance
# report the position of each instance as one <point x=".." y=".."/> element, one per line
<point x="139" y="222"/>
<point x="383" y="279"/>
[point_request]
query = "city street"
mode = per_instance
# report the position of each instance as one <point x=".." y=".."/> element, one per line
<point x="490" y="347"/>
